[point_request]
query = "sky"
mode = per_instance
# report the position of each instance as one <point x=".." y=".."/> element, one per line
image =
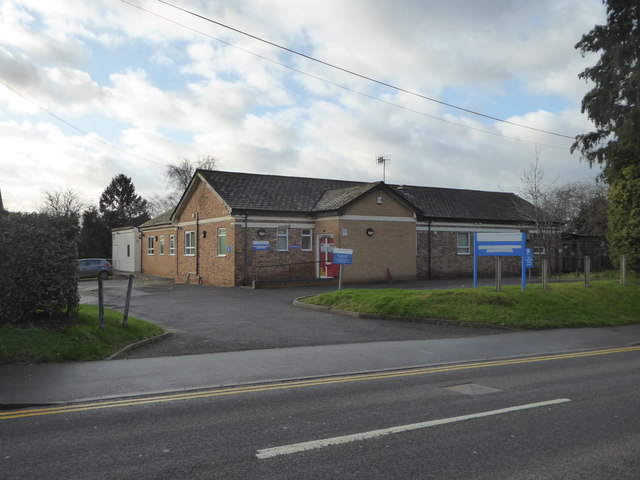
<point x="89" y="90"/>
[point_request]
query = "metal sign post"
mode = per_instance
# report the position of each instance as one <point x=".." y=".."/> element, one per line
<point x="342" y="256"/>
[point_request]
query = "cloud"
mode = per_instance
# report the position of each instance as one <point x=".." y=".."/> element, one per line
<point x="158" y="91"/>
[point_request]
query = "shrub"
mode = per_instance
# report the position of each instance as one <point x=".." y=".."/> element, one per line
<point x="38" y="267"/>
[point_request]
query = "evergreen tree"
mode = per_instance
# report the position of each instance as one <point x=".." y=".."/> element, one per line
<point x="120" y="206"/>
<point x="624" y="216"/>
<point x="613" y="105"/>
<point x="95" y="236"/>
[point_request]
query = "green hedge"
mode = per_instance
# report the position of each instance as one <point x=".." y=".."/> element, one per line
<point x="38" y="266"/>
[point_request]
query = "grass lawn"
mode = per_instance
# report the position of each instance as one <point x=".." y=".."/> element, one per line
<point x="606" y="302"/>
<point x="78" y="340"/>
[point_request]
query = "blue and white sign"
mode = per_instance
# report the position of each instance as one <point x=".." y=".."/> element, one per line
<point x="528" y="258"/>
<point x="342" y="256"/>
<point x="500" y="245"/>
<point x="261" y="245"/>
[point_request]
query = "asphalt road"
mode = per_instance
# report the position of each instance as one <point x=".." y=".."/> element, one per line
<point x="211" y="319"/>
<point x="588" y="427"/>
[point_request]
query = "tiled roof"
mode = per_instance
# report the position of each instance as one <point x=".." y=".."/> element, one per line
<point x="335" y="199"/>
<point x="162" y="219"/>
<point x="246" y="191"/>
<point x="272" y="193"/>
<point x="474" y="205"/>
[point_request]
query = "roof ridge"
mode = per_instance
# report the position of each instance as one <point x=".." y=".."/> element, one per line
<point x="271" y="175"/>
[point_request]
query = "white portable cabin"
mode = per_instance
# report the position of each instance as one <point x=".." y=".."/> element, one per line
<point x="125" y="244"/>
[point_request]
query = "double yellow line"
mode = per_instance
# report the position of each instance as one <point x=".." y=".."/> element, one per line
<point x="99" y="405"/>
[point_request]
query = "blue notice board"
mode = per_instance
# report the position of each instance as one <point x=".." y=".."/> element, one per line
<point x="500" y="244"/>
<point x="261" y="245"/>
<point x="342" y="256"/>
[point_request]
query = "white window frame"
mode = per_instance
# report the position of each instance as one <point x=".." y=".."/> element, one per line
<point x="150" y="245"/>
<point x="190" y="244"/>
<point x="222" y="245"/>
<point x="161" y="244"/>
<point x="538" y="250"/>
<point x="462" y="249"/>
<point x="172" y="244"/>
<point x="306" y="236"/>
<point x="282" y="234"/>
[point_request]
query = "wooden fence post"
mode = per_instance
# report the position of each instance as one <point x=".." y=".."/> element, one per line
<point x="125" y="316"/>
<point x="623" y="269"/>
<point x="100" y="301"/>
<point x="587" y="271"/>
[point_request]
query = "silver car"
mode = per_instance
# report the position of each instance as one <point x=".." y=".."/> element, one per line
<point x="95" y="267"/>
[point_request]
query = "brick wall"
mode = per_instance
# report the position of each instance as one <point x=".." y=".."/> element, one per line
<point x="158" y="264"/>
<point x="203" y="212"/>
<point x="294" y="263"/>
<point x="446" y="262"/>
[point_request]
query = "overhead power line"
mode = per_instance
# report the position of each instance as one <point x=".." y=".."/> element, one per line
<point x="343" y="87"/>
<point x="359" y="75"/>
<point x="75" y="127"/>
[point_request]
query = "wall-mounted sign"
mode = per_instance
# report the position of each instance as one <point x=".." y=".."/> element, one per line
<point x="261" y="245"/>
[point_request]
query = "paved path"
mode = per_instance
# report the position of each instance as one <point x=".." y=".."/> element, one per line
<point x="239" y="336"/>
<point x="41" y="384"/>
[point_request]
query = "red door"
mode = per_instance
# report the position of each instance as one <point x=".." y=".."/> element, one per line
<point x="327" y="269"/>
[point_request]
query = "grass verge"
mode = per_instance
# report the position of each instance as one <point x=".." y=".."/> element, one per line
<point x="563" y="305"/>
<point x="78" y="340"/>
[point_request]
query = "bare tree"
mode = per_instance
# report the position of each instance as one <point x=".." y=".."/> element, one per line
<point x="65" y="202"/>
<point x="573" y="207"/>
<point x="546" y="214"/>
<point x="178" y="177"/>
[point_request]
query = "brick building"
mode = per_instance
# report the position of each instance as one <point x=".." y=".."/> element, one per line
<point x="235" y="228"/>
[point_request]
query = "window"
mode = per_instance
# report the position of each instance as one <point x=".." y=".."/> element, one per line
<point x="128" y="251"/>
<point x="172" y="244"/>
<point x="283" y="239"/>
<point x="161" y="244"/>
<point x="539" y="250"/>
<point x="307" y="239"/>
<point x="464" y="243"/>
<point x="189" y="243"/>
<point x="222" y="241"/>
<point x="150" y="245"/>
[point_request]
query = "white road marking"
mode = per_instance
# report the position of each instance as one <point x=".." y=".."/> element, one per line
<point x="325" y="442"/>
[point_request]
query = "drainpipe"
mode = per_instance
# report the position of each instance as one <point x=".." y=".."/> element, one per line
<point x="175" y="246"/>
<point x="197" y="245"/>
<point x="246" y="247"/>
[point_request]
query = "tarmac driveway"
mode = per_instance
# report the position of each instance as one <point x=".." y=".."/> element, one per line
<point x="206" y="319"/>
